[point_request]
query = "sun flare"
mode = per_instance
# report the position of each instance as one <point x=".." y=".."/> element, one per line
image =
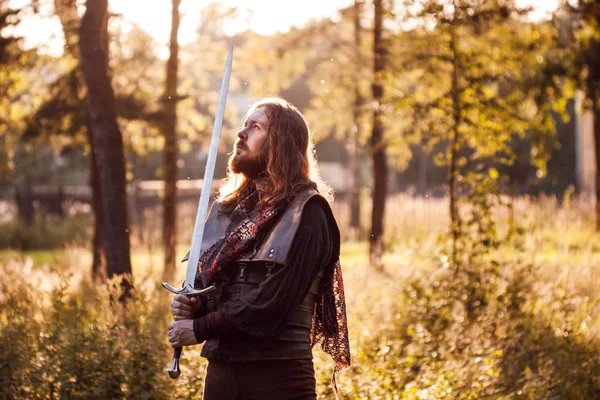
<point x="262" y="16"/>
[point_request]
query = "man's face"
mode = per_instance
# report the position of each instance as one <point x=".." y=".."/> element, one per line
<point x="250" y="158"/>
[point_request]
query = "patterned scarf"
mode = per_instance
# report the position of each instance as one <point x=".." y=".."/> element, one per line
<point x="330" y="324"/>
<point x="250" y="222"/>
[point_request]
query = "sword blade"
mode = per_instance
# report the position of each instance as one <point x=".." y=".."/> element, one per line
<point x="209" y="173"/>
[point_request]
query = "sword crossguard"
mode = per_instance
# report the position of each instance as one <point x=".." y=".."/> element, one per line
<point x="188" y="290"/>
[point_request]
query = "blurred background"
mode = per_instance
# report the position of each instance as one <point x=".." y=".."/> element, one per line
<point x="461" y="138"/>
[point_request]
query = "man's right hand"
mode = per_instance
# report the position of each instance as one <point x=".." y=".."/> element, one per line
<point x="183" y="307"/>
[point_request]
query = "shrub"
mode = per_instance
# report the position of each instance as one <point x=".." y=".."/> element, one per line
<point x="81" y="344"/>
<point x="46" y="232"/>
<point x="517" y="346"/>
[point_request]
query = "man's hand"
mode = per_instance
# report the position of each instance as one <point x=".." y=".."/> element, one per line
<point x="183" y="307"/>
<point x="181" y="333"/>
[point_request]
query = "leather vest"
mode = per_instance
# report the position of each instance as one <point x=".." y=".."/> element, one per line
<point x="293" y="341"/>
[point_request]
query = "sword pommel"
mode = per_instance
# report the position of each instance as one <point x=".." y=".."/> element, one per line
<point x="174" y="370"/>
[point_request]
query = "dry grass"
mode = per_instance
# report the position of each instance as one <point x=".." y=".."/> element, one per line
<point x="558" y="239"/>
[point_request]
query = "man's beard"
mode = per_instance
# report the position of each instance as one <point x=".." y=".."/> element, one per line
<point x="250" y="167"/>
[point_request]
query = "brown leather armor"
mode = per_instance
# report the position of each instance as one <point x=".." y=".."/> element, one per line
<point x="293" y="341"/>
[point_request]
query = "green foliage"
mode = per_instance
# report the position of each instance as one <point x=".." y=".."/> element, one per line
<point x="467" y="75"/>
<point x="512" y="333"/>
<point x="576" y="44"/>
<point x="423" y="331"/>
<point x="202" y="63"/>
<point x="19" y="83"/>
<point x="46" y="232"/>
<point x="66" y="344"/>
<point x="461" y="329"/>
<point x="475" y="75"/>
<point x="339" y="74"/>
<point x="515" y="348"/>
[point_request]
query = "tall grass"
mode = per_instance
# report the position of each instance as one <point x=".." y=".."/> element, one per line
<point x="412" y="337"/>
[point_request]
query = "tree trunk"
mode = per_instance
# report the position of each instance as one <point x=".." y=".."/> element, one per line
<point x="454" y="148"/>
<point x="422" y="180"/>
<point x="98" y="267"/>
<point x="596" y="105"/>
<point x="593" y="81"/>
<point x="66" y="10"/>
<point x="107" y="139"/>
<point x="170" y="155"/>
<point x="380" y="170"/>
<point x="356" y="153"/>
<point x="24" y="200"/>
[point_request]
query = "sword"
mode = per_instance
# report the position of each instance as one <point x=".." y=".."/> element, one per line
<point x="192" y="263"/>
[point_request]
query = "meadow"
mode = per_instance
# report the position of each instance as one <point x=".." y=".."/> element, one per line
<point x="530" y="330"/>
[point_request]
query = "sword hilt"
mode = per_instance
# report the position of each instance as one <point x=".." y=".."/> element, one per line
<point x="188" y="291"/>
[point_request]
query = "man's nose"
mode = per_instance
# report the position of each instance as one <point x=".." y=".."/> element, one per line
<point x="241" y="134"/>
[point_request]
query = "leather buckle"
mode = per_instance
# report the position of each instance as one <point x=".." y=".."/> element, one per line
<point x="242" y="271"/>
<point x="270" y="267"/>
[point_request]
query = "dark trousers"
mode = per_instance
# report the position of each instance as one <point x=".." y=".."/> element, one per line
<point x="260" y="380"/>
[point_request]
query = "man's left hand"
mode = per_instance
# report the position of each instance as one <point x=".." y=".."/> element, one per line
<point x="181" y="333"/>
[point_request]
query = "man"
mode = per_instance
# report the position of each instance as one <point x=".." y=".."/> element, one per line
<point x="271" y="246"/>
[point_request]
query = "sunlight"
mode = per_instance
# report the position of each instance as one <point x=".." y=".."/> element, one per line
<point x="541" y="8"/>
<point x="418" y="199"/>
<point x="262" y="16"/>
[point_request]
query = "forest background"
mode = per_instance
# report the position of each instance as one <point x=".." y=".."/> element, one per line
<point x="461" y="138"/>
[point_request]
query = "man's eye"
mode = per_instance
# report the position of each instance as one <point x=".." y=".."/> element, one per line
<point x="256" y="126"/>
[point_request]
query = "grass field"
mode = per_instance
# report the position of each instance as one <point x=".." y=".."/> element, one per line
<point x="534" y="335"/>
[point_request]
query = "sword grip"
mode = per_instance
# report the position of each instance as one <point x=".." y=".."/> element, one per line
<point x="174" y="370"/>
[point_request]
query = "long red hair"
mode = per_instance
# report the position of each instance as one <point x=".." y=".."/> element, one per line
<point x="290" y="159"/>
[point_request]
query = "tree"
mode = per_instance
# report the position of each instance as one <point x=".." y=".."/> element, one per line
<point x="63" y="115"/>
<point x="9" y="57"/>
<point x="593" y="84"/>
<point x="355" y="133"/>
<point x="17" y="69"/>
<point x="106" y="137"/>
<point x="477" y="73"/>
<point x="340" y="95"/>
<point x="169" y="128"/>
<point x="377" y="145"/>
<point x="587" y="72"/>
<point x="67" y="13"/>
<point x="574" y="58"/>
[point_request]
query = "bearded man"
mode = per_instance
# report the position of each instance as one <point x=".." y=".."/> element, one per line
<point x="271" y="247"/>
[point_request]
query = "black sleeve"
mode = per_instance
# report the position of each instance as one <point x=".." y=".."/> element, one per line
<point x="264" y="310"/>
<point x="211" y="325"/>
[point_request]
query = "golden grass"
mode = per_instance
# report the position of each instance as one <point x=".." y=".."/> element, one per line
<point x="558" y="239"/>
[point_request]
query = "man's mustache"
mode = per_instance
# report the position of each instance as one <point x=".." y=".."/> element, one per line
<point x="241" y="145"/>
